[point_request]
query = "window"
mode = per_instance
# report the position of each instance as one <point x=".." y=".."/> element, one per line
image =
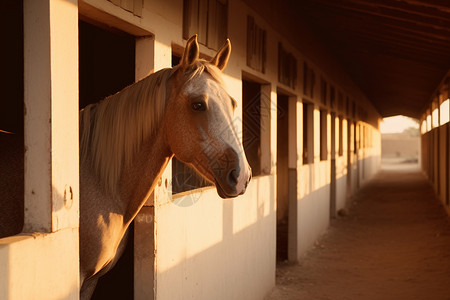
<point x="323" y="91"/>
<point x="341" y="138"/>
<point x="363" y="136"/>
<point x="423" y="127"/>
<point x="101" y="73"/>
<point x="323" y="135"/>
<point x="444" y="111"/>
<point x="347" y="107"/>
<point x="256" y="46"/>
<point x="356" y="137"/>
<point x="435" y="117"/>
<point x="354" y="110"/>
<point x="251" y="97"/>
<point x="332" y="97"/>
<point x="287" y="67"/>
<point x="308" y="136"/>
<point x="207" y="18"/>
<point x="341" y="103"/>
<point x="308" y="81"/>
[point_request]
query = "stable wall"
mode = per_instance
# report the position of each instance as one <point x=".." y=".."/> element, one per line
<point x="216" y="249"/>
<point x="42" y="262"/>
<point x="435" y="141"/>
<point x="209" y="248"/>
<point x="225" y="249"/>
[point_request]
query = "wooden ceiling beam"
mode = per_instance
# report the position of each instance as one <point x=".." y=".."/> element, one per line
<point x="401" y="7"/>
<point x="441" y="5"/>
<point x="395" y="51"/>
<point x="399" y="45"/>
<point x="358" y="10"/>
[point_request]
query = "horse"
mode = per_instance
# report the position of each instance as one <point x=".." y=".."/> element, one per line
<point x="127" y="140"/>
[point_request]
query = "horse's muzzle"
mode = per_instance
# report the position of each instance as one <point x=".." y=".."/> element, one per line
<point x="234" y="184"/>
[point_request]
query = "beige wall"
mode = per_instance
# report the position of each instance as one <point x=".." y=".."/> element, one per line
<point x="226" y="249"/>
<point x="43" y="261"/>
<point x="435" y="144"/>
<point x="400" y="146"/>
<point x="214" y="248"/>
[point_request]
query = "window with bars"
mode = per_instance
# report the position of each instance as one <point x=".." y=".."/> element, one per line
<point x="340" y="103"/>
<point x="251" y="124"/>
<point x="347" y="106"/>
<point x="323" y="135"/>
<point x="341" y="138"/>
<point x="287" y="67"/>
<point x="256" y="46"/>
<point x="309" y="79"/>
<point x="323" y="91"/>
<point x="208" y="19"/>
<point x="308" y="133"/>
<point x="332" y="97"/>
<point x="353" y="110"/>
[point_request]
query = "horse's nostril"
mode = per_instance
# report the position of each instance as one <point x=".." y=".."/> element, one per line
<point x="232" y="177"/>
<point x="248" y="180"/>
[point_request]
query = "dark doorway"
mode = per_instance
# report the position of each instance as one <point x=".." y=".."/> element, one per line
<point x="106" y="62"/>
<point x="12" y="115"/>
<point x="106" y="66"/>
<point x="282" y="177"/>
<point x="251" y="98"/>
<point x="333" y="167"/>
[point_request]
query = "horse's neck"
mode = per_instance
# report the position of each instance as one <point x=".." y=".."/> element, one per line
<point x="139" y="179"/>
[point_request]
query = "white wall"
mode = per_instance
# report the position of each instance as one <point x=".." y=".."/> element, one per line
<point x="43" y="261"/>
<point x="212" y="249"/>
<point x="217" y="249"/>
<point x="225" y="249"/>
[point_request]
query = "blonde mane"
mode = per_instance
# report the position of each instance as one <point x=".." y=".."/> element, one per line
<point x="202" y="66"/>
<point x="112" y="131"/>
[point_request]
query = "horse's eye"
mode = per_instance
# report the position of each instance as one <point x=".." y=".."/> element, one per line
<point x="199" y="106"/>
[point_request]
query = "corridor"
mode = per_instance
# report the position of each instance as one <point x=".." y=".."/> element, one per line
<point x="392" y="244"/>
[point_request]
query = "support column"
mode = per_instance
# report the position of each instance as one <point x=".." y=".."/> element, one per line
<point x="151" y="55"/>
<point x="43" y="262"/>
<point x="51" y="115"/>
<point x="294" y="120"/>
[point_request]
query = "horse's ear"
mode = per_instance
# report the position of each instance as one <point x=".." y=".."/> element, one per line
<point x="221" y="58"/>
<point x="191" y="52"/>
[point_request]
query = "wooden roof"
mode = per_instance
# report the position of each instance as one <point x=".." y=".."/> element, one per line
<point x="396" y="51"/>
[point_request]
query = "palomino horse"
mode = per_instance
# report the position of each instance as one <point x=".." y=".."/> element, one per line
<point x="127" y="140"/>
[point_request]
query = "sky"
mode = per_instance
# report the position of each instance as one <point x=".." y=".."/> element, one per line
<point x="397" y="124"/>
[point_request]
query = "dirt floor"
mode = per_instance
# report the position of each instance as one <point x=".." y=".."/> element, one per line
<point x="394" y="243"/>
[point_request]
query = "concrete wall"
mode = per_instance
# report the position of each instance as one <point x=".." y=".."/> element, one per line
<point x="42" y="261"/>
<point x="435" y="141"/>
<point x="196" y="245"/>
<point x="402" y="146"/>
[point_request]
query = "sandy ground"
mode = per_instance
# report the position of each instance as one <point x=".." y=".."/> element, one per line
<point x="393" y="244"/>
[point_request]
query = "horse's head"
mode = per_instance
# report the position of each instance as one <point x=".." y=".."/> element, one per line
<point x="199" y="121"/>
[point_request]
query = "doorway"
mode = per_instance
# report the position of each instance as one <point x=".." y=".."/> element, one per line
<point x="286" y="178"/>
<point x="106" y="66"/>
<point x="282" y="176"/>
<point x="333" y="167"/>
<point x="251" y="124"/>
